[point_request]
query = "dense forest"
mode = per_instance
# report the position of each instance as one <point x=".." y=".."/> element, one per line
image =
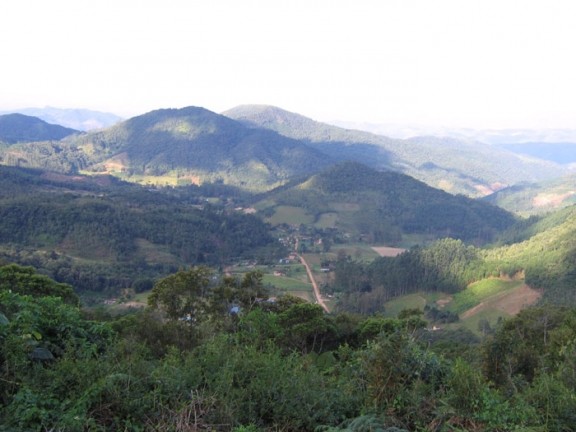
<point x="102" y="235"/>
<point x="190" y="361"/>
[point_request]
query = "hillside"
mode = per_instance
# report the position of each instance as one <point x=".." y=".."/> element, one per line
<point x="537" y="198"/>
<point x="178" y="146"/>
<point x="17" y="128"/>
<point x="541" y="253"/>
<point x="454" y="165"/>
<point x="101" y="234"/>
<point x="382" y="207"/>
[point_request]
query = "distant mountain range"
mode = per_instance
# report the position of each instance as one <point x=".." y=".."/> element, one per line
<point x="556" y="145"/>
<point x="18" y="128"/>
<point x="259" y="147"/>
<point x="455" y="165"/>
<point x="79" y="119"/>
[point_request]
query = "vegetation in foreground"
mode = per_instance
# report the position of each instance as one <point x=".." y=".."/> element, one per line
<point x="210" y="353"/>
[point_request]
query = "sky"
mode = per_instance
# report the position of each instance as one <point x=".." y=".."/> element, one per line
<point x="454" y="63"/>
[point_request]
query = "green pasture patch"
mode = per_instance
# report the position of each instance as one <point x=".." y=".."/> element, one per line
<point x="291" y="216"/>
<point x="327" y="220"/>
<point x="153" y="253"/>
<point x="473" y="322"/>
<point x="411" y="301"/>
<point x="480" y="291"/>
<point x="286" y="283"/>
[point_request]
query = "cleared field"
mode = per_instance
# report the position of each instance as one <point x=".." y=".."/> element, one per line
<point x="481" y="291"/>
<point x="411" y="301"/>
<point x="327" y="220"/>
<point x="386" y="251"/>
<point x="510" y="302"/>
<point x="286" y="283"/>
<point x="291" y="216"/>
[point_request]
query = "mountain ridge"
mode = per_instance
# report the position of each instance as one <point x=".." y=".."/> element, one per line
<point x="18" y="128"/>
<point x="457" y="166"/>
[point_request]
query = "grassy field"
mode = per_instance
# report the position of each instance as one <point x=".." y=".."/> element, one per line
<point x="290" y="215"/>
<point x="327" y="220"/>
<point x="480" y="291"/>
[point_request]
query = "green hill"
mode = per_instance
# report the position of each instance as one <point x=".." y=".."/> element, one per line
<point x="382" y="207"/>
<point x="537" y="198"/>
<point x="194" y="145"/>
<point x="457" y="166"/>
<point x="16" y="128"/>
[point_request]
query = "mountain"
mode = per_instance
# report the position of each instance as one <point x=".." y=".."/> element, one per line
<point x="537" y="198"/>
<point x="382" y="207"/>
<point x="560" y="152"/>
<point x="16" y="128"/>
<point x="75" y="118"/>
<point x="455" y="165"/>
<point x="194" y="145"/>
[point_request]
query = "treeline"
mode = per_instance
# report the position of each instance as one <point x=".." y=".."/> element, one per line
<point x="211" y="354"/>
<point x="446" y="265"/>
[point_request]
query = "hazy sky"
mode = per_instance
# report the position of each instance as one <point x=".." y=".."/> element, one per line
<point x="486" y="63"/>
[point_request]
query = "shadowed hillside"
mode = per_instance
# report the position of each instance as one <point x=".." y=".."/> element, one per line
<point x="16" y="128"/>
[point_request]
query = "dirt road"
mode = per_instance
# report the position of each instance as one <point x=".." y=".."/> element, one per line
<point x="314" y="284"/>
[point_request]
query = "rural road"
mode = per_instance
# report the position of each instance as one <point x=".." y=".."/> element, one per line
<point x="314" y="284"/>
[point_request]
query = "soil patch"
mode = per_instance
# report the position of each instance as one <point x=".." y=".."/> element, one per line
<point x="511" y="302"/>
<point x="386" y="251"/>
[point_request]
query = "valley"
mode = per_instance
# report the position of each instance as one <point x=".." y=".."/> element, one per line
<point x="256" y="270"/>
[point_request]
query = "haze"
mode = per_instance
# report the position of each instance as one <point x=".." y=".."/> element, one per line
<point x="481" y="64"/>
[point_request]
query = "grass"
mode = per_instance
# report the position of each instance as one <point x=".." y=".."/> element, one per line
<point x="410" y="301"/>
<point x="286" y="283"/>
<point x="327" y="220"/>
<point x="491" y="315"/>
<point x="291" y="216"/>
<point x="478" y="292"/>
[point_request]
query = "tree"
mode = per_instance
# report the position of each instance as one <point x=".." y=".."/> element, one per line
<point x="183" y="295"/>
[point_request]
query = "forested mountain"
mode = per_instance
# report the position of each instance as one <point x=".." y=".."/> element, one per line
<point x="100" y="233"/>
<point x="537" y="198"/>
<point x="75" y="118"/>
<point x="266" y="147"/>
<point x="178" y="146"/>
<point x="384" y="207"/>
<point x="454" y="165"/>
<point x="18" y="128"/>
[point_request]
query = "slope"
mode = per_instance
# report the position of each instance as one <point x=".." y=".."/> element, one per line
<point x="15" y="128"/>
<point x="537" y="198"/>
<point x="75" y="118"/>
<point x="100" y="233"/>
<point x="383" y="207"/>
<point x="183" y="146"/>
<point x="457" y="166"/>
